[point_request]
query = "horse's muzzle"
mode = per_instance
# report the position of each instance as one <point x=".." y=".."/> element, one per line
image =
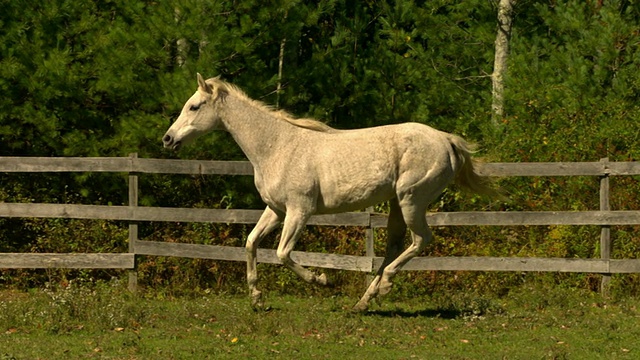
<point x="169" y="142"/>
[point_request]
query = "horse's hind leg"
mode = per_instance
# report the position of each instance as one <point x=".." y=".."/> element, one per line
<point x="414" y="216"/>
<point x="294" y="223"/>
<point x="269" y="221"/>
<point x="396" y="231"/>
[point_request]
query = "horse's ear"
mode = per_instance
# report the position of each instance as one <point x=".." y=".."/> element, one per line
<point x="221" y="93"/>
<point x="203" y="86"/>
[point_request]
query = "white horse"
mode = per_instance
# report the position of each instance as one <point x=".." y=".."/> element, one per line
<point x="304" y="167"/>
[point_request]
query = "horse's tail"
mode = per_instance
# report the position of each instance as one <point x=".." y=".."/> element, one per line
<point x="466" y="175"/>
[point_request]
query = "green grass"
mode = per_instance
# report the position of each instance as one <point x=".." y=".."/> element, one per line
<point x="106" y="322"/>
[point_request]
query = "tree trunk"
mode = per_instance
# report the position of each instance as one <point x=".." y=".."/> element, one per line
<point x="505" y="13"/>
<point x="280" y="65"/>
<point x="182" y="45"/>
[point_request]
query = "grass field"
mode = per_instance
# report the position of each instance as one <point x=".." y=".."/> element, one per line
<point x="106" y="322"/>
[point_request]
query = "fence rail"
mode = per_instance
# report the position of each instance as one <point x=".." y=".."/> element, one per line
<point x="134" y="167"/>
<point x="204" y="167"/>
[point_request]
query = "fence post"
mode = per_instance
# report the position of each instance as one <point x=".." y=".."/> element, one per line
<point x="133" y="228"/>
<point x="369" y="251"/>
<point x="605" y="230"/>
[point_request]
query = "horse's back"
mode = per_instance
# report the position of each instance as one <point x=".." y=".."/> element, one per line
<point x="358" y="168"/>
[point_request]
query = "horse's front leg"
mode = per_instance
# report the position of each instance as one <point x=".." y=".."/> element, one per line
<point x="294" y="223"/>
<point x="269" y="221"/>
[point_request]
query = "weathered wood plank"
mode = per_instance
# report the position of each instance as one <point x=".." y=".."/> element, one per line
<point x="240" y="216"/>
<point x="542" y="169"/>
<point x="605" y="231"/>
<point x="69" y="211"/>
<point x="107" y="164"/>
<point x="193" y="251"/>
<point x="343" y="219"/>
<point x="504" y="264"/>
<point x="624" y="266"/>
<point x="202" y="167"/>
<point x="175" y="166"/>
<point x="132" y="283"/>
<point x="623" y="168"/>
<point x="321" y="260"/>
<point x="68" y="261"/>
<point x="141" y="213"/>
<point x="333" y="261"/>
<point x="231" y="216"/>
<point x="499" y="218"/>
<point x="62" y="164"/>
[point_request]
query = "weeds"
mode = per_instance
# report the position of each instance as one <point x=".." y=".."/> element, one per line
<point x="101" y="319"/>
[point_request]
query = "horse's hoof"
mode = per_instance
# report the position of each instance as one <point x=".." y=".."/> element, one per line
<point x="261" y="308"/>
<point x="360" y="307"/>
<point x="323" y="280"/>
<point x="385" y="287"/>
<point x="256" y="301"/>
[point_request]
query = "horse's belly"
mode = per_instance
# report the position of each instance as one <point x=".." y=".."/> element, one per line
<point x="353" y="196"/>
<point x="363" y="178"/>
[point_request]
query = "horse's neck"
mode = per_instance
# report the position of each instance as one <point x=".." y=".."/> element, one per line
<point x="258" y="132"/>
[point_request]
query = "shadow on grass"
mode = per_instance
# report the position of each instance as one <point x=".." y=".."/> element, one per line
<point x="430" y="313"/>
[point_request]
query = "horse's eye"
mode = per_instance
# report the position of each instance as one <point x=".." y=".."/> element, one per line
<point x="195" y="107"/>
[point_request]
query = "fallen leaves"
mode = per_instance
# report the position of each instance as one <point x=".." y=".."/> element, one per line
<point x="314" y="333"/>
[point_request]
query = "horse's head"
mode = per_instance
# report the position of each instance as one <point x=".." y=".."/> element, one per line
<point x="199" y="115"/>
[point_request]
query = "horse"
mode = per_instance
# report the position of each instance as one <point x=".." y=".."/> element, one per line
<point x="304" y="167"/>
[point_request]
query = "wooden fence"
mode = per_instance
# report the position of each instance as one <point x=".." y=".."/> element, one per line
<point x="604" y="217"/>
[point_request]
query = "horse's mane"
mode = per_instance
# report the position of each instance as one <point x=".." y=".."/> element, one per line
<point x="305" y="123"/>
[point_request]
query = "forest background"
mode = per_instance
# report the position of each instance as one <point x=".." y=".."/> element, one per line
<point x="106" y="78"/>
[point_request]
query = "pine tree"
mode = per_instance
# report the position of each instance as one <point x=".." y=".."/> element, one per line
<point x="573" y="86"/>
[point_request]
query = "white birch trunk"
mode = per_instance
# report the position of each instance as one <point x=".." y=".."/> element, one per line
<point x="505" y="13"/>
<point x="182" y="45"/>
<point x="280" y="65"/>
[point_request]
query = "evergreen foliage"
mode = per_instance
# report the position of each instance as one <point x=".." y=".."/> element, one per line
<point x="106" y="78"/>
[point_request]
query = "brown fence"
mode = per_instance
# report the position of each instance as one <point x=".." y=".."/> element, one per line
<point x="133" y="213"/>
